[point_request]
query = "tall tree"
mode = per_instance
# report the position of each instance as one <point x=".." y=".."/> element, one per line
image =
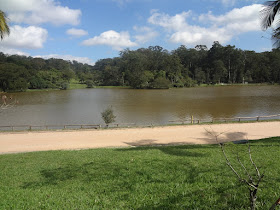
<point x="4" y="28"/>
<point x="268" y="15"/>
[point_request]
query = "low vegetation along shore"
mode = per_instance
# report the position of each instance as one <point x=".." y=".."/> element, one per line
<point x="164" y="177"/>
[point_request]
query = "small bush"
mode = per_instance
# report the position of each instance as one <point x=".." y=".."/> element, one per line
<point x="89" y="84"/>
<point x="108" y="115"/>
<point x="64" y="86"/>
<point x="189" y="82"/>
<point x="160" y="83"/>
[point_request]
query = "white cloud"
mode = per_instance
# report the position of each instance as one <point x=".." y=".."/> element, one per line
<point x="175" y="23"/>
<point x="76" y="32"/>
<point x="68" y="57"/>
<point x="116" y="40"/>
<point x="40" y="11"/>
<point x="219" y="28"/>
<point x="145" y="34"/>
<point x="11" y="51"/>
<point x="29" y="38"/>
<point x="236" y="18"/>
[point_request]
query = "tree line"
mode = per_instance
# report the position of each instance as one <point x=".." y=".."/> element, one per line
<point x="152" y="67"/>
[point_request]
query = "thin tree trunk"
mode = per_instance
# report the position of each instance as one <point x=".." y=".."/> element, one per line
<point x="253" y="199"/>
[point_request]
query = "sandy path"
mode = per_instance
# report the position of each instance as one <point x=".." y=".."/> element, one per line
<point x="83" y="139"/>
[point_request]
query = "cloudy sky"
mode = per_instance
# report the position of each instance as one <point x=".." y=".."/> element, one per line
<point x="88" y="30"/>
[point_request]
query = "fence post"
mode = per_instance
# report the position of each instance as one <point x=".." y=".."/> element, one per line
<point x="192" y="119"/>
<point x="258" y="118"/>
<point x="197" y="121"/>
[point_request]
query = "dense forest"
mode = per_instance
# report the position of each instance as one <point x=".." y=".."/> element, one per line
<point x="152" y="67"/>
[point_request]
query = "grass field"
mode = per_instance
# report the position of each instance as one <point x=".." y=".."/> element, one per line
<point x="167" y="177"/>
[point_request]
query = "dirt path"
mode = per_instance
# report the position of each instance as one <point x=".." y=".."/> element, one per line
<point x="173" y="135"/>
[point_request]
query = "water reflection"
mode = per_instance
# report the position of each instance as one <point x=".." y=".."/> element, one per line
<point x="141" y="106"/>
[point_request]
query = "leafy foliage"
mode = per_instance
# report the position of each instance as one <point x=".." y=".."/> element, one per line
<point x="151" y="67"/>
<point x="4" y="28"/>
<point x="108" y="115"/>
<point x="268" y="14"/>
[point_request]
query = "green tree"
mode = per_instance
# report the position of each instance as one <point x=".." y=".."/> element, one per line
<point x="108" y="116"/>
<point x="219" y="71"/>
<point x="4" y="28"/>
<point x="268" y="15"/>
<point x="160" y="83"/>
<point x="89" y="84"/>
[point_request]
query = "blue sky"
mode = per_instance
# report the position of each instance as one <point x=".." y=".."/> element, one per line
<point x="88" y="30"/>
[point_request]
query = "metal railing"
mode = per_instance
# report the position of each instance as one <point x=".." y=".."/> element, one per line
<point x="191" y="120"/>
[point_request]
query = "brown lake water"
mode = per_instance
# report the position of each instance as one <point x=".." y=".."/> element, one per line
<point x="84" y="106"/>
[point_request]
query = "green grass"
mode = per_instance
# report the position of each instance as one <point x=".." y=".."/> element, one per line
<point x="162" y="177"/>
<point x="114" y="87"/>
<point x="237" y="84"/>
<point x="74" y="84"/>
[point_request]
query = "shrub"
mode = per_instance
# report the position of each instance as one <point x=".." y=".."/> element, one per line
<point x="108" y="116"/>
<point x="189" y="82"/>
<point x="89" y="84"/>
<point x="160" y="83"/>
<point x="64" y="86"/>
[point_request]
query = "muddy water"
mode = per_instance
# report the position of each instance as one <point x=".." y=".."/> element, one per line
<point x="141" y="106"/>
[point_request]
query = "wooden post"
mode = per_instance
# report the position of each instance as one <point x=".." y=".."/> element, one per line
<point x="197" y="121"/>
<point x="239" y="119"/>
<point x="258" y="118"/>
<point x="192" y="119"/>
<point x="30" y="128"/>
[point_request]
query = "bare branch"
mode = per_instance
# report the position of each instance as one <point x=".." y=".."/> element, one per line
<point x="242" y="165"/>
<point x="253" y="163"/>
<point x="224" y="153"/>
<point x="6" y="104"/>
<point x="253" y="186"/>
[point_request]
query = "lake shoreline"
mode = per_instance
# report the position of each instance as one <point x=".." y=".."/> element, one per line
<point x="131" y="137"/>
<point x="82" y="86"/>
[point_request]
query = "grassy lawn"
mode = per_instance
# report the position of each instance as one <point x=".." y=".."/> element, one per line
<point x="74" y="84"/>
<point x="167" y="177"/>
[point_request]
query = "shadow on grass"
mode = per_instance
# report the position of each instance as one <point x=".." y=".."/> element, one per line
<point x="174" y="148"/>
<point x="224" y="136"/>
<point x="55" y="176"/>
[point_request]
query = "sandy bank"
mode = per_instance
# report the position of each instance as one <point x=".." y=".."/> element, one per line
<point x="173" y="135"/>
